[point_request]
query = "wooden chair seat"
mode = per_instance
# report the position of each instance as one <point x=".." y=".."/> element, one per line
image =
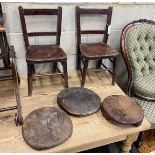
<point x="97" y="50"/>
<point x="41" y="53"/>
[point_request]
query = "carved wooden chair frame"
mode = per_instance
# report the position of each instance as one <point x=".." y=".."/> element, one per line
<point x="124" y="53"/>
<point x="18" y="116"/>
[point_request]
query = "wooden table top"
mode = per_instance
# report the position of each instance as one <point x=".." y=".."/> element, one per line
<point x="88" y="132"/>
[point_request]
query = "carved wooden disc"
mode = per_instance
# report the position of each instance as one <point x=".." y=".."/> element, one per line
<point x="79" y="101"/>
<point x="46" y="127"/>
<point x="123" y="110"/>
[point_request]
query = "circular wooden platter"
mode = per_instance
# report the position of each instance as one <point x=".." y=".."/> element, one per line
<point x="46" y="127"/>
<point x="78" y="101"/>
<point x="122" y="109"/>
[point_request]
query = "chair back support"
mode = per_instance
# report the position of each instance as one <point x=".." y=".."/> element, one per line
<point x="83" y="11"/>
<point x="138" y="48"/>
<point x="33" y="12"/>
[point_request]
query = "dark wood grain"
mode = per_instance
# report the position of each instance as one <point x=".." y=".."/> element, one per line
<point x="31" y="34"/>
<point x="46" y="127"/>
<point x="40" y="12"/>
<point x="91" y="51"/>
<point x="93" y="11"/>
<point x="79" y="101"/>
<point x="43" y="53"/>
<point x="93" y="32"/>
<point x="122" y="109"/>
<point x="97" y="50"/>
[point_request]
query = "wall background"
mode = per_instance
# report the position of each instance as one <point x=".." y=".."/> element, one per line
<point x="123" y="13"/>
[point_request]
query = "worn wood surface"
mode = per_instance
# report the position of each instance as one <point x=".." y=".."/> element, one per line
<point x="46" y="127"/>
<point x="123" y="110"/>
<point x="79" y="101"/>
<point x="88" y="132"/>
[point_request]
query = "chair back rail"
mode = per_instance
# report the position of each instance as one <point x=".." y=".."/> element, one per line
<point x="90" y="11"/>
<point x="31" y="12"/>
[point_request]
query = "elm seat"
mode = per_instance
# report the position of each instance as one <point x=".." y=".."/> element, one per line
<point x="97" y="50"/>
<point x="145" y="86"/>
<point x="45" y="53"/>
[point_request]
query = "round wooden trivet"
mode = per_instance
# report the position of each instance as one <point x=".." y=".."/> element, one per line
<point x="46" y="127"/>
<point x="122" y="109"/>
<point x="79" y="101"/>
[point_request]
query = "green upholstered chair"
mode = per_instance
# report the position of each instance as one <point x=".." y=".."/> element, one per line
<point x="138" y="51"/>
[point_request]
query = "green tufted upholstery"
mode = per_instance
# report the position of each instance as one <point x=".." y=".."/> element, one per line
<point x="148" y="107"/>
<point x="140" y="48"/>
<point x="145" y="86"/>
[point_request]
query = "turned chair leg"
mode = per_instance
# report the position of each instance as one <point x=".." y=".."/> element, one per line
<point x="30" y="70"/>
<point x="98" y="65"/>
<point x="64" y="65"/>
<point x="54" y="67"/>
<point x="114" y="72"/>
<point x="84" y="73"/>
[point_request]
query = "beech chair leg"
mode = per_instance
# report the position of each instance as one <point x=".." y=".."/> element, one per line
<point x="64" y="65"/>
<point x="30" y="80"/>
<point x="114" y="72"/>
<point x="54" y="67"/>
<point x="98" y="65"/>
<point x="84" y="73"/>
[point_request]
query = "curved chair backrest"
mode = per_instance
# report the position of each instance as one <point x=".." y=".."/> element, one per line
<point x="138" y="48"/>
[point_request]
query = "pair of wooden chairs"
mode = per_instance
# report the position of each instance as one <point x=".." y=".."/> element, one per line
<point x="54" y="53"/>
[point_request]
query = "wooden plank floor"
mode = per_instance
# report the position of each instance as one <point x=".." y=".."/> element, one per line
<point x="88" y="131"/>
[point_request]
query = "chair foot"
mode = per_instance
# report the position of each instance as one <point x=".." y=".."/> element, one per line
<point x="84" y="73"/>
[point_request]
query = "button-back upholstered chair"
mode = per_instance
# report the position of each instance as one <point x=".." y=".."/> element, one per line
<point x="94" y="51"/>
<point x="138" y="51"/>
<point x="43" y="53"/>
